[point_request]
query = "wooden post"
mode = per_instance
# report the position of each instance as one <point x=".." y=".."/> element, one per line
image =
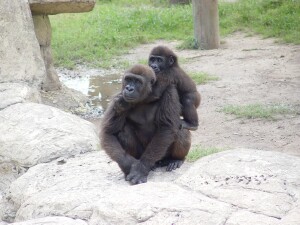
<point x="206" y="23"/>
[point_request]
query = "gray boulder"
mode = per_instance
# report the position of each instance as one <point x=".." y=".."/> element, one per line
<point x="264" y="183"/>
<point x="215" y="190"/>
<point x="13" y="93"/>
<point x="34" y="133"/>
<point x="20" y="57"/>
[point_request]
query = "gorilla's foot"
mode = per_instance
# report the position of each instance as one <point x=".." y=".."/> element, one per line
<point x="171" y="164"/>
<point x="188" y="126"/>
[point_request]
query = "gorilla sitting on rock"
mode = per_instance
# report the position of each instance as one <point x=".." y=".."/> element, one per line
<point x="140" y="134"/>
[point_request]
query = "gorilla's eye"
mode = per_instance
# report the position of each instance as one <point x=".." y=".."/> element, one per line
<point x="128" y="79"/>
<point x="159" y="60"/>
<point x="138" y="82"/>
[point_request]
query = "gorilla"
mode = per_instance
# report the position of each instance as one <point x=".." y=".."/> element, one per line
<point x="146" y="134"/>
<point x="167" y="70"/>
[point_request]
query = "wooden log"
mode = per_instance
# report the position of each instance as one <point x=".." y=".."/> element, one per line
<point x="206" y="23"/>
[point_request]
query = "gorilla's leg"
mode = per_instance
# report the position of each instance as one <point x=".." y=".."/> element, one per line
<point x="177" y="151"/>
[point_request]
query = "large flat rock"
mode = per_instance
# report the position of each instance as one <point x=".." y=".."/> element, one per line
<point x="20" y="57"/>
<point x="265" y="183"/>
<point x="34" y="133"/>
<point x="52" y="7"/>
<point x="92" y="188"/>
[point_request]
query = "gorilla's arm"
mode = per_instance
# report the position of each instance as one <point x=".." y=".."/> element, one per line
<point x="112" y="124"/>
<point x="168" y="122"/>
<point x="190" y="99"/>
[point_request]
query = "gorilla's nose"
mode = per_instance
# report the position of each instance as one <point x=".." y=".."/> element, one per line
<point x="129" y="88"/>
<point x="155" y="68"/>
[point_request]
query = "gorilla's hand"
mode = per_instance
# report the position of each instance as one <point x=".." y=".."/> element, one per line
<point x="121" y="105"/>
<point x="138" y="173"/>
<point x="127" y="163"/>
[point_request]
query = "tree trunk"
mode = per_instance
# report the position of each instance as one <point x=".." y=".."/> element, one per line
<point x="206" y="23"/>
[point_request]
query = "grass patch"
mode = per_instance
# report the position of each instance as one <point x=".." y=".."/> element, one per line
<point x="189" y="43"/>
<point x="198" y="152"/>
<point x="111" y="29"/>
<point x="115" y="26"/>
<point x="143" y="61"/>
<point x="202" y="77"/>
<point x="253" y="111"/>
<point x="271" y="18"/>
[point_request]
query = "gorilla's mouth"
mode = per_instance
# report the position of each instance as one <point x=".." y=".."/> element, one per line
<point x="129" y="98"/>
<point x="156" y="69"/>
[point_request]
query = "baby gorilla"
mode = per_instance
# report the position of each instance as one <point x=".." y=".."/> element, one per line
<point x="148" y="132"/>
<point x="167" y="70"/>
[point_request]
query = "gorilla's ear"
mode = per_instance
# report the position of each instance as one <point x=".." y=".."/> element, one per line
<point x="171" y="60"/>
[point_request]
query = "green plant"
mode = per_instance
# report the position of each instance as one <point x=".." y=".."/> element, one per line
<point x="199" y="151"/>
<point x="252" y="111"/>
<point x="143" y="61"/>
<point x="189" y="43"/>
<point x="271" y="18"/>
<point x="97" y="37"/>
<point x="202" y="77"/>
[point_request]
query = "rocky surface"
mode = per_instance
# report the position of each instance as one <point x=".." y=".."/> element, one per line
<point x="66" y="99"/>
<point x="30" y="133"/>
<point x="13" y="93"/>
<point x="34" y="133"/>
<point x="43" y="32"/>
<point x="43" y="133"/>
<point x="240" y="186"/>
<point x="20" y="56"/>
<point x="264" y="183"/>
<point x="53" y="220"/>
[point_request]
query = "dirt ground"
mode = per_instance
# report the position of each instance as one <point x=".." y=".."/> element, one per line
<point x="250" y="70"/>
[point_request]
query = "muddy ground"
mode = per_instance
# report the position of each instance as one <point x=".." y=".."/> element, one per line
<point x="250" y="70"/>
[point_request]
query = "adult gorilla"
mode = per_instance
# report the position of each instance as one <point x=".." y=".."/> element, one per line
<point x="148" y="133"/>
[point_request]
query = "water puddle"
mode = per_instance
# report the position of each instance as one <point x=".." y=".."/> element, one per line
<point x="99" y="86"/>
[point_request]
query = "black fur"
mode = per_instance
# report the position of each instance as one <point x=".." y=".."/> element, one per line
<point x="145" y="133"/>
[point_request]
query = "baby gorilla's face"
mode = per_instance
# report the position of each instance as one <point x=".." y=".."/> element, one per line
<point x="157" y="63"/>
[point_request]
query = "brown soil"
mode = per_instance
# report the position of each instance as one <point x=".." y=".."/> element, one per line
<point x="250" y="70"/>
